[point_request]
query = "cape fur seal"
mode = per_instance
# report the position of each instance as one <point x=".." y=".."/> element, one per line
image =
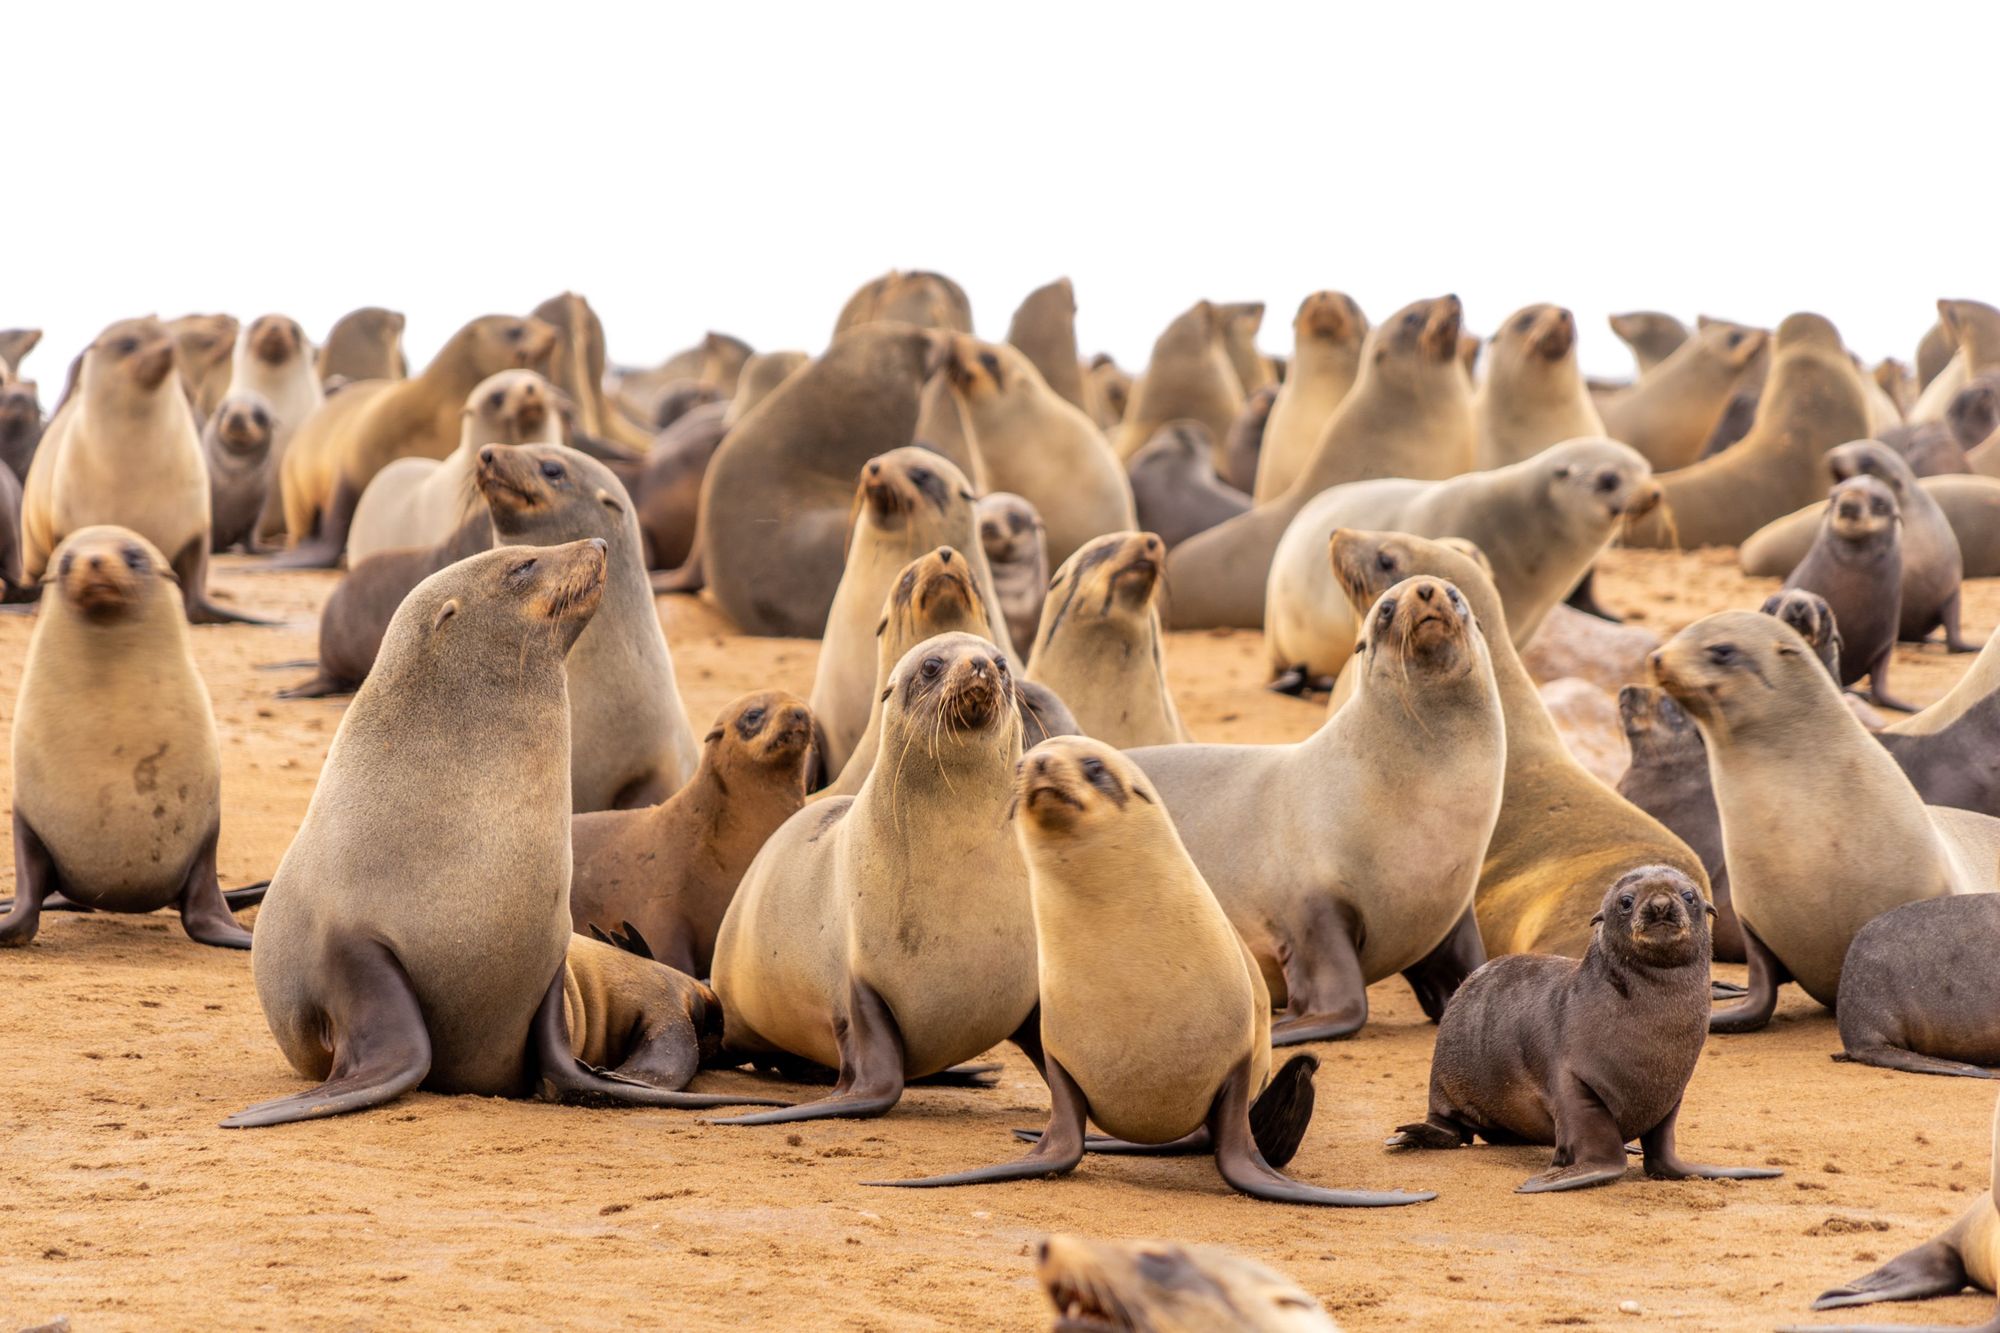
<point x="410" y="940"/>
<point x="420" y="501"/>
<point x="1036" y="444"/>
<point x="1673" y="409"/>
<point x="669" y="871"/>
<point x="1107" y="390"/>
<point x="1975" y="336"/>
<point x="1189" y="375"/>
<point x="908" y="501"/>
<point x="204" y="345"/>
<point x="1812" y="402"/>
<point x="15" y="344"/>
<point x="1353" y="854"/>
<point x="1132" y="1285"/>
<point x="1409" y="414"/>
<point x="1237" y="464"/>
<point x="1540" y="523"/>
<point x="1175" y="487"/>
<point x="1653" y="336"/>
<point x="668" y="492"/>
<point x="1533" y="395"/>
<point x="1668" y="779"/>
<point x="1154" y="1021"/>
<point x="927" y="300"/>
<point x="1856" y="566"/>
<point x="632" y="742"/>
<point x="761" y="374"/>
<point x="1537" y="883"/>
<point x="1794" y="774"/>
<point x="21" y="426"/>
<point x="1584" y="1054"/>
<point x="1238" y="326"/>
<point x="273" y="358"/>
<point x="117" y="771"/>
<point x="364" y="344"/>
<point x="1970" y="505"/>
<point x="1327" y="334"/>
<point x="1098" y="646"/>
<point x="576" y="367"/>
<point x="1017" y="553"/>
<point x="852" y="941"/>
<point x="1915" y="990"/>
<point x="123" y="450"/>
<point x="366" y="426"/>
<point x="242" y="473"/>
<point x="1044" y="329"/>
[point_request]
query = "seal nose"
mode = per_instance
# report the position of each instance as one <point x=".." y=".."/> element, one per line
<point x="944" y="554"/>
<point x="874" y="469"/>
<point x="1425" y="592"/>
<point x="1153" y="545"/>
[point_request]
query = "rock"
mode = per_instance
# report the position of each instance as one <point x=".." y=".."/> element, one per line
<point x="1587" y="720"/>
<point x="1570" y="643"/>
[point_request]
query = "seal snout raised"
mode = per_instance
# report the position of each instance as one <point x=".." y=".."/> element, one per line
<point x="567" y="582"/>
<point x="102" y="571"/>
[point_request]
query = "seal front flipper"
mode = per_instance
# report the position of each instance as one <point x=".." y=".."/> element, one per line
<point x="321" y="686"/>
<point x="1326" y="994"/>
<point x="329" y="540"/>
<point x="1726" y="990"/>
<point x="204" y="911"/>
<point x="34" y="881"/>
<point x="191" y="568"/>
<point x="1766" y="975"/>
<point x="1590" y="1150"/>
<point x="962" y="1076"/>
<point x="1055" y="1153"/>
<point x="381" y="1048"/>
<point x="1935" y="1268"/>
<point x="1440" y="973"/>
<point x="1663" y="1163"/>
<point x="1243" y="1166"/>
<point x="871" y="1066"/>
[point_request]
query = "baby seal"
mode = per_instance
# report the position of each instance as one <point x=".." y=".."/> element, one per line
<point x="1585" y="1054"/>
<point x="1175" y="485"/>
<point x="1154" y="1019"/>
<point x="1135" y="1286"/>
<point x="1099" y="643"/>
<point x="1017" y="551"/>
<point x="237" y="445"/>
<point x="1856" y="564"/>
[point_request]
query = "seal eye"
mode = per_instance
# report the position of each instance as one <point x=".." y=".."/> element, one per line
<point x="1387" y="613"/>
<point x="992" y="364"/>
<point x="514" y="333"/>
<point x="495" y="401"/>
<point x="552" y="470"/>
<point x="521" y="571"/>
<point x="1607" y="482"/>
<point x="135" y="559"/>
<point x="1687" y="895"/>
<point x="1625" y="901"/>
<point x="933" y="667"/>
<point x="754" y="718"/>
<point x="1735" y="338"/>
<point x="1722" y="654"/>
<point x="125" y="346"/>
<point x="68" y="563"/>
<point x="919" y="477"/>
<point x="1524" y="323"/>
<point x="1457" y="602"/>
<point x="1385" y="562"/>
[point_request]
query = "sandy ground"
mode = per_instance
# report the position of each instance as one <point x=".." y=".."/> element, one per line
<point x="122" y="1206"/>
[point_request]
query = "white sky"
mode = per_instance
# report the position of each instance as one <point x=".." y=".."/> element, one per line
<point x="745" y="167"/>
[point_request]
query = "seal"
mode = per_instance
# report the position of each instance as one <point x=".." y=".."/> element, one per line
<point x="21" y="426"/>
<point x="1379" y="817"/>
<point x="1189" y="375"/>
<point x="1780" y="740"/>
<point x="1812" y="402"/>
<point x="1980" y="679"/>
<point x="367" y="426"/>
<point x="852" y="942"/>
<point x="1098" y="646"/>
<point x="1974" y="413"/>
<point x="1245" y="441"/>
<point x="1934" y="349"/>
<point x="668" y="493"/>
<point x="1533" y="395"/>
<point x="14" y="585"/>
<point x="777" y="498"/>
<point x="1584" y="1054"/>
<point x="1017" y="553"/>
<point x="927" y="300"/>
<point x="1673" y="409"/>
<point x="1970" y="505"/>
<point x="1653" y="336"/>
<point x="1856" y="565"/>
<point x="1958" y="764"/>
<point x="420" y="501"/>
<point x="909" y="501"/>
<point x="15" y="344"/>
<point x="1239" y="323"/>
<point x="1541" y="524"/>
<point x="1967" y="1253"/>
<point x="204" y="345"/>
<point x="1044" y="329"/>
<point x="576" y="367"/>
<point x="718" y="360"/>
<point x="242" y="474"/>
<point x="1036" y="444"/>
<point x="761" y="374"/>
<point x="1929" y="449"/>
<point x="669" y="871"/>
<point x="123" y="451"/>
<point x="274" y="360"/>
<point x="1409" y="414"/>
<point x="364" y="344"/>
<point x="1913" y="992"/>
<point x="1174" y="484"/>
<point x="632" y="744"/>
<point x="1154" y="1021"/>
<point x="117" y="805"/>
<point x="1809" y="614"/>
<point x="1108" y="391"/>
<point x="1126" y="1286"/>
<point x="1327" y="333"/>
<point x="1668" y="779"/>
<point x="408" y="939"/>
<point x="1975" y="336"/>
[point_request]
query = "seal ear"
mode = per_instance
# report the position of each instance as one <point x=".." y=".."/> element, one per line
<point x="712" y="736"/>
<point x="1709" y="905"/>
<point x="1598" y="920"/>
<point x="610" y="501"/>
<point x="444" y="613"/>
<point x="878" y="631"/>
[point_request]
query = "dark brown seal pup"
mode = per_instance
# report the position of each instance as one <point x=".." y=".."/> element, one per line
<point x="21" y="426"/>
<point x="1176" y="487"/>
<point x="1585" y="1054"/>
<point x="1918" y="991"/>
<point x="669" y="870"/>
<point x="117" y="772"/>
<point x="236" y="443"/>
<point x="1928" y="447"/>
<point x="1809" y="614"/>
<point x="1932" y="565"/>
<point x="1668" y="779"/>
<point x="1856" y="564"/>
<point x="1243" y="447"/>
<point x="410" y="937"/>
<point x="1017" y="551"/>
<point x="1957" y="764"/>
<point x="668" y="494"/>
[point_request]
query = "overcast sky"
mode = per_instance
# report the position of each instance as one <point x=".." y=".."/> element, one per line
<point x="745" y="167"/>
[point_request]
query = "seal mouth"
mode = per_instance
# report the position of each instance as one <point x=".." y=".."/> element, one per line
<point x="885" y="498"/>
<point x="530" y="413"/>
<point x="1137" y="577"/>
<point x="537" y="341"/>
<point x="581" y="585"/>
<point x="241" y="434"/>
<point x="792" y="736"/>
<point x="943" y="587"/>
<point x="1048" y="793"/>
<point x="1642" y="502"/>
<point x="1557" y="338"/>
<point x="501" y="491"/>
<point x="151" y="367"/>
<point x="100" y="597"/>
<point x="273" y="345"/>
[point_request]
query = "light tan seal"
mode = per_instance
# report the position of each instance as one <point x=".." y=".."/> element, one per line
<point x="1131" y="1286"/>
<point x="1190" y="375"/>
<point x="853" y="941"/>
<point x="1533" y="395"/>
<point x="927" y="300"/>
<point x="1037" y="445"/>
<point x="417" y="932"/>
<point x="1353" y="855"/>
<point x="761" y="374"/>
<point x="1107" y="390"/>
<point x="1408" y="415"/>
<point x="1240" y="322"/>
<point x="117" y="771"/>
<point x="369" y="425"/>
<point x="908" y="501"/>
<point x="1653" y="335"/>
<point x="1044" y="329"/>
<point x="1540" y="523"/>
<point x="1327" y="334"/>
<point x="364" y="344"/>
<point x="1671" y="412"/>
<point x="668" y="871"/>
<point x="1980" y="679"/>
<point x="1812" y="402"/>
<point x="1154" y="1020"/>
<point x="205" y="344"/>
<point x="577" y="368"/>
<point x="273" y="358"/>
<point x="1099" y="644"/>
<point x="1795" y="774"/>
<point x="123" y="450"/>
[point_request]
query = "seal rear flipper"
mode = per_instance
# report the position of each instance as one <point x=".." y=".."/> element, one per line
<point x="1884" y="1056"/>
<point x="1437" y="977"/>
<point x="1326" y="995"/>
<point x="381" y="1048"/>
<point x="1437" y="1132"/>
<point x="1590" y="1150"/>
<point x="1583" y="597"/>
<point x="205" y="914"/>
<point x="1281" y="1113"/>
<point x="1761" y="999"/>
<point x="871" y="1066"/>
<point x="1055" y="1153"/>
<point x="1664" y="1163"/>
<point x="1244" y="1168"/>
<point x="191" y="568"/>
<point x="1933" y="1269"/>
<point x="560" y="1077"/>
<point x="1726" y="990"/>
<point x="250" y="895"/>
<point x="626" y="938"/>
<point x="688" y="578"/>
<point x="328" y="543"/>
<point x="962" y="1076"/>
<point x="1195" y="1144"/>
<point x="321" y="686"/>
<point x="34" y="880"/>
